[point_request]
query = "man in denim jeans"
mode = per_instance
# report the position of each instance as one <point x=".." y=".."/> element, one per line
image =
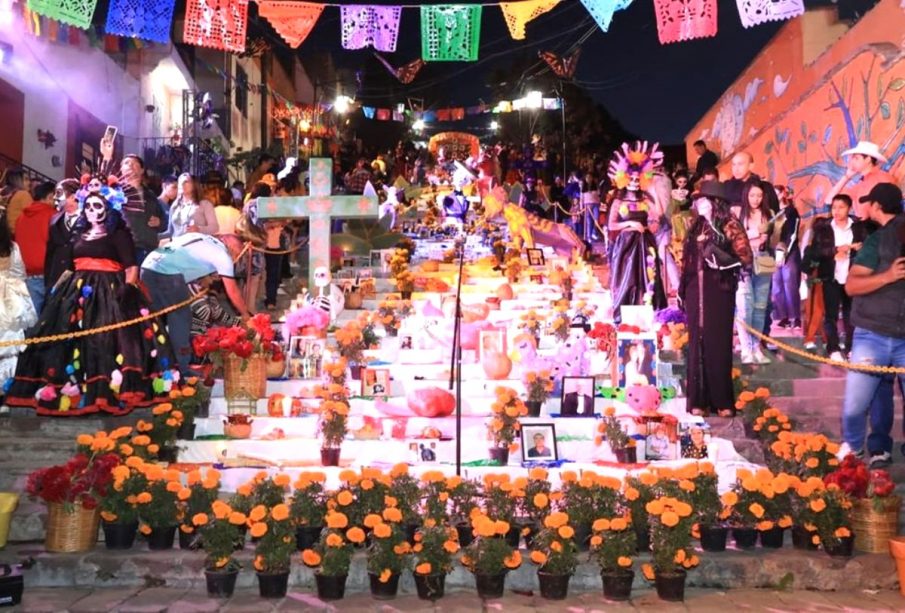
<point x="875" y="281"/>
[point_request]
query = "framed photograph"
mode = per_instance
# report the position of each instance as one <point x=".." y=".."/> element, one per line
<point x="375" y="382"/>
<point x="535" y="257"/>
<point x="694" y="440"/>
<point x="365" y="273"/>
<point x="423" y="452"/>
<point x="348" y="262"/>
<point x="577" y="397"/>
<point x="660" y="438"/>
<point x="376" y="255"/>
<point x="306" y="357"/>
<point x="406" y="342"/>
<point x="493" y="341"/>
<point x="539" y="443"/>
<point x="637" y="360"/>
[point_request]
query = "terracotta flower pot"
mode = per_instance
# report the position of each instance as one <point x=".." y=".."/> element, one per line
<point x="237" y="430"/>
<point x="897" y="551"/>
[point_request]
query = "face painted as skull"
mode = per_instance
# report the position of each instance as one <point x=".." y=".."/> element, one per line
<point x="95" y="210"/>
<point x="321" y="276"/>
<point x="634" y="181"/>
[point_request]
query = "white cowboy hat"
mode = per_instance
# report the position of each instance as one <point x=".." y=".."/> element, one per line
<point x="867" y="148"/>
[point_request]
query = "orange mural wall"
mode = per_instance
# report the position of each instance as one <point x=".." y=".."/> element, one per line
<point x="796" y="118"/>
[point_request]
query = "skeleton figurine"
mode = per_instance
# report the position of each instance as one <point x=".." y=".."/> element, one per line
<point x="332" y="302"/>
<point x="572" y="358"/>
<point x="456" y="204"/>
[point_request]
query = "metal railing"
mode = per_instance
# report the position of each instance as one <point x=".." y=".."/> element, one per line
<point x="8" y="163"/>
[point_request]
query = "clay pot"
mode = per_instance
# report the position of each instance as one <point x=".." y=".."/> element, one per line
<point x="897" y="551"/>
<point x="237" y="430"/>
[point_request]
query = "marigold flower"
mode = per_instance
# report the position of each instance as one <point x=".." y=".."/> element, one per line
<point x="624" y="561"/>
<point x="337" y="520"/>
<point x="382" y="531"/>
<point x="355" y="535"/>
<point x="200" y="519"/>
<point x="842" y="532"/>
<point x="145" y="529"/>
<point x="392" y="514"/>
<point x="221" y="509"/>
<point x="451" y="546"/>
<point x="258" y="530"/>
<point x="108" y="516"/>
<point x="648" y="571"/>
<point x="144" y="498"/>
<point x="566" y="532"/>
<point x="669" y="518"/>
<point x="756" y="510"/>
<point x="237" y="518"/>
<point x="538" y="557"/>
<point x="817" y="505"/>
<point x="344" y="498"/>
<point x="334" y="540"/>
<point x="513" y="561"/>
<point x="280" y="512"/>
<point x="258" y="513"/>
<point x="311" y="558"/>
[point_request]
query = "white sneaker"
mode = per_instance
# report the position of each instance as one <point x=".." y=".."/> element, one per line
<point x="845" y="449"/>
<point x="748" y="358"/>
<point x="760" y="357"/>
<point x="836" y="356"/>
<point x="810" y="345"/>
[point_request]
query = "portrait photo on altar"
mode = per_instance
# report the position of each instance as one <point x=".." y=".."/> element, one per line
<point x="306" y="356"/>
<point x="637" y="360"/>
<point x="660" y="437"/>
<point x="424" y="452"/>
<point x="491" y="341"/>
<point x="535" y="257"/>
<point x="406" y="342"/>
<point x="375" y="382"/>
<point x="694" y="440"/>
<point x="539" y="443"/>
<point x="376" y="255"/>
<point x="347" y="263"/>
<point x="577" y="398"/>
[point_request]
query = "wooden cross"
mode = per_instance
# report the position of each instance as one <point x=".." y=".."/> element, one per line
<point x="320" y="207"/>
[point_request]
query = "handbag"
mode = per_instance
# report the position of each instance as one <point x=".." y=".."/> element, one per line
<point x="764" y="264"/>
<point x="718" y="258"/>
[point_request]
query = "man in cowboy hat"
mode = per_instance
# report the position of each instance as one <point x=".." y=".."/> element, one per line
<point x="864" y="159"/>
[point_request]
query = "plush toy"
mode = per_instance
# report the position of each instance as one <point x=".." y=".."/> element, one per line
<point x="524" y="353"/>
<point x="644" y="399"/>
<point x="572" y="358"/>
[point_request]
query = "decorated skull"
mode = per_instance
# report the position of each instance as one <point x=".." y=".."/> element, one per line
<point x="321" y="276"/>
<point x="95" y="210"/>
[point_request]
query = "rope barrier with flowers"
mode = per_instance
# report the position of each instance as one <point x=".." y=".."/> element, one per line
<point x="819" y="358"/>
<point x="102" y="329"/>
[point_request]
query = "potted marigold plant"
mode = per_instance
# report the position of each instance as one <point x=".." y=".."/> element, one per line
<point x="587" y="498"/>
<point x="504" y="426"/>
<point x="193" y="400"/>
<point x="710" y="512"/>
<point x="434" y="496"/>
<point x="490" y="557"/>
<point x="640" y="490"/>
<point x="770" y="424"/>
<point x="220" y="534"/>
<point x="621" y="444"/>
<point x="390" y="314"/>
<point x="351" y="346"/>
<point x="72" y="492"/>
<point x="434" y="548"/>
<point x="197" y="497"/>
<point x="363" y="493"/>
<point x="273" y="529"/>
<point x="613" y="544"/>
<point x="158" y="511"/>
<point x="308" y="508"/>
<point x="405" y="494"/>
<point x="553" y="550"/>
<point x="332" y="555"/>
<point x="535" y="503"/>
<point x="269" y="490"/>
<point x="828" y="510"/>
<point x="671" y="521"/>
<point x="166" y="421"/>
<point x="119" y="510"/>
<point x="539" y="386"/>
<point x="388" y="553"/>
<point x="500" y="501"/>
<point x="752" y="405"/>
<point x="463" y="499"/>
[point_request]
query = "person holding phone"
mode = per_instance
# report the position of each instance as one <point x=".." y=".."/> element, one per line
<point x="141" y="211"/>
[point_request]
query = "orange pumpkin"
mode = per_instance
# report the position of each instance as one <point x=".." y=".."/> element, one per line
<point x="504" y="292"/>
<point x="431" y="402"/>
<point x="275" y="405"/>
<point x="496" y="365"/>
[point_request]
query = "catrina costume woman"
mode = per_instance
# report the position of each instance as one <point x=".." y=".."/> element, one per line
<point x="110" y="371"/>
<point x="634" y="264"/>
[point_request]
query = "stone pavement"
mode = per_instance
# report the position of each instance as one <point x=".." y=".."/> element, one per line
<point x="159" y="599"/>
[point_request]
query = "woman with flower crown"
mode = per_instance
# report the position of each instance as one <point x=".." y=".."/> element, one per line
<point x="110" y="371"/>
<point x="634" y="214"/>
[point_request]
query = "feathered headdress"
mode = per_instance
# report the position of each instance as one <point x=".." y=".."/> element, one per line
<point x="106" y="186"/>
<point x="642" y="159"/>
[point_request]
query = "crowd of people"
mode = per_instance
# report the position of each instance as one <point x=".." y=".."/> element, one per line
<point x="742" y="256"/>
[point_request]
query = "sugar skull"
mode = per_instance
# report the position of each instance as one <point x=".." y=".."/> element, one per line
<point x="321" y="276"/>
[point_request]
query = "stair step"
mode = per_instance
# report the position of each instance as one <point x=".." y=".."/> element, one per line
<point x="183" y="569"/>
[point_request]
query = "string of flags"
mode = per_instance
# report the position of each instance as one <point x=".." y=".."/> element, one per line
<point x="449" y="32"/>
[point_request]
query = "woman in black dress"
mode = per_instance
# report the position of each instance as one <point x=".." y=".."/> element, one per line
<point x="109" y="371"/>
<point x="715" y="250"/>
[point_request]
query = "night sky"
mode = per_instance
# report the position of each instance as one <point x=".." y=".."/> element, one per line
<point x="656" y="91"/>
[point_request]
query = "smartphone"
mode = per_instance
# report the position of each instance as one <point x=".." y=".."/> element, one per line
<point x="110" y="134"/>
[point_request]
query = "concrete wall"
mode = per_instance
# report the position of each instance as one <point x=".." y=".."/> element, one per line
<point x="815" y="90"/>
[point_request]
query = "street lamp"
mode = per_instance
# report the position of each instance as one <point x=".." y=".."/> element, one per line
<point x="494" y="125"/>
<point x="342" y="104"/>
<point x="418" y="125"/>
<point x="534" y="100"/>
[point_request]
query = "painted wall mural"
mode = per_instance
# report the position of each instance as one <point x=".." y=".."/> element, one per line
<point x="797" y="128"/>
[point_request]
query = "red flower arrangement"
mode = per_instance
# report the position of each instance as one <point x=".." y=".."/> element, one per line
<point x="82" y="480"/>
<point x="255" y="338"/>
<point x="851" y="476"/>
<point x="605" y="335"/>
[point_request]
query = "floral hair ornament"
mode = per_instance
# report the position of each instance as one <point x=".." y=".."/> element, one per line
<point x="642" y="159"/>
<point x="105" y="186"/>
